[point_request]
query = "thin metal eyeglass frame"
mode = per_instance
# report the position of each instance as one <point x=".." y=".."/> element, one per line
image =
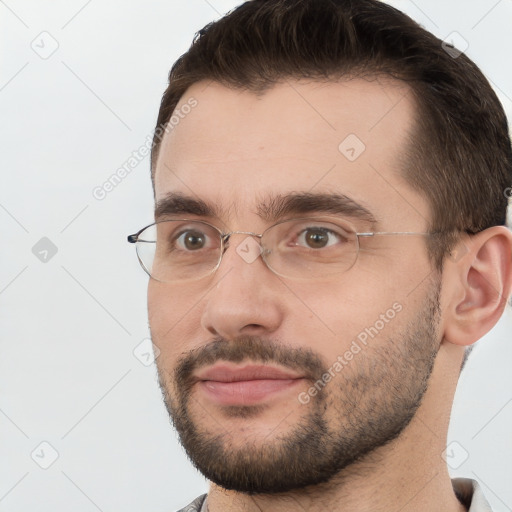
<point x="224" y="238"/>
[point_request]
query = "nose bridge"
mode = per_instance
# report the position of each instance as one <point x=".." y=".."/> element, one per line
<point x="242" y="301"/>
<point x="226" y="237"/>
<point x="248" y="251"/>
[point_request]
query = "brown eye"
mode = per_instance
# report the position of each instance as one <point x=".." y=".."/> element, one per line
<point x="318" y="238"/>
<point x="192" y="240"/>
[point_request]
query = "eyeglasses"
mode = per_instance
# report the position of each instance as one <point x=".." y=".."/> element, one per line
<point x="303" y="248"/>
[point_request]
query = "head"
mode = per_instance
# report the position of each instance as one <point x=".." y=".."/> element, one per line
<point x="343" y="109"/>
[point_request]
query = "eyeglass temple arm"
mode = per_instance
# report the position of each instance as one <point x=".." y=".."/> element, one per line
<point x="395" y="233"/>
<point x="132" y="239"/>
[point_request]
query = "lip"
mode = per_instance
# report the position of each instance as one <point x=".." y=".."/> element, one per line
<point x="224" y="372"/>
<point x="228" y="384"/>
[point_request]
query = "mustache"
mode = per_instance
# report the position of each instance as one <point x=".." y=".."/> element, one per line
<point x="248" y="348"/>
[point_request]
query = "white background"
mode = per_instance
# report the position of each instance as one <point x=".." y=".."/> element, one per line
<point x="68" y="375"/>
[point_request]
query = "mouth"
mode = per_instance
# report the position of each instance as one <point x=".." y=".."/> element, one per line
<point x="229" y="384"/>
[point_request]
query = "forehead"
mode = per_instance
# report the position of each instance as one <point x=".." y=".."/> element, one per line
<point x="232" y="147"/>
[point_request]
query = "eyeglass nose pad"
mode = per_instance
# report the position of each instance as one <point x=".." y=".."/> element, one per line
<point x="248" y="250"/>
<point x="225" y="242"/>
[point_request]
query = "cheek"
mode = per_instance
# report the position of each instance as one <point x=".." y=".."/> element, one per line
<point x="347" y="302"/>
<point x="159" y="305"/>
<point x="171" y="316"/>
<point x="361" y="309"/>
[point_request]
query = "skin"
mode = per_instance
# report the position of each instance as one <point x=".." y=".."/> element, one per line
<point x="233" y="149"/>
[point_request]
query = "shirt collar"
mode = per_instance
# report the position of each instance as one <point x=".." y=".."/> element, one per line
<point x="470" y="494"/>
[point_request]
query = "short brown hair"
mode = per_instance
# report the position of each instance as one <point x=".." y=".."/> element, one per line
<point x="460" y="155"/>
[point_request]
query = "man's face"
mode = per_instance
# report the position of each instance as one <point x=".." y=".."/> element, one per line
<point x="373" y="329"/>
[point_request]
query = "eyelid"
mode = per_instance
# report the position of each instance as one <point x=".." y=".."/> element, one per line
<point x="340" y="223"/>
<point x="345" y="224"/>
<point x="213" y="222"/>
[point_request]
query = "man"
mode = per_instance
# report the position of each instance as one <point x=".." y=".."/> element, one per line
<point x="330" y="237"/>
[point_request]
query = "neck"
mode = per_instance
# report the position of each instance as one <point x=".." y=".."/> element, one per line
<point x="407" y="474"/>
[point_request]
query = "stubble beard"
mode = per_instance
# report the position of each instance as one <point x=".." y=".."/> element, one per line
<point x="366" y="406"/>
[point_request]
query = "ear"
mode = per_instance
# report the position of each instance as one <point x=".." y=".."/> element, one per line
<point x="478" y="284"/>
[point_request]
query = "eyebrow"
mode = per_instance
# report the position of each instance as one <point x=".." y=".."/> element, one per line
<point x="271" y="209"/>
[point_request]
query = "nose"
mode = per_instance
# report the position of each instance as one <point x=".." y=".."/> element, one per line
<point x="246" y="296"/>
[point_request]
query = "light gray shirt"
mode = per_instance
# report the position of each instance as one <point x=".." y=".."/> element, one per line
<point x="468" y="492"/>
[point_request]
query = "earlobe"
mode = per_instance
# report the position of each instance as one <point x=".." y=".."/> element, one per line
<point x="480" y="285"/>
